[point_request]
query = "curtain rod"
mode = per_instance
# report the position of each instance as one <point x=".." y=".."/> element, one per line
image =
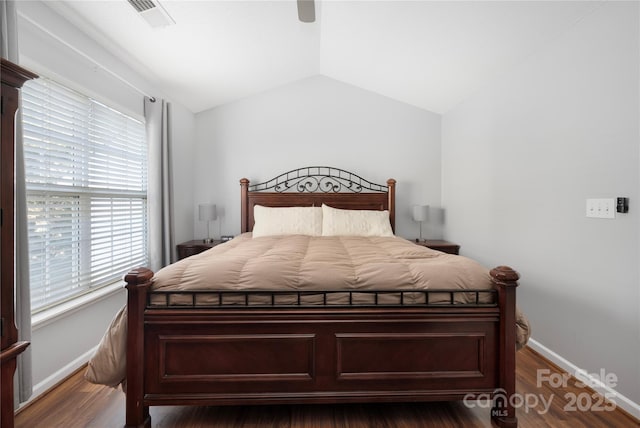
<point x="87" y="57"/>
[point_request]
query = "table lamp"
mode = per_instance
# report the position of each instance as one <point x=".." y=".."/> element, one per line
<point x="207" y="212"/>
<point x="420" y="215"/>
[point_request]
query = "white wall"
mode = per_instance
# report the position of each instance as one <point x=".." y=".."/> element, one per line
<point x="519" y="159"/>
<point x="60" y="345"/>
<point x="317" y="122"/>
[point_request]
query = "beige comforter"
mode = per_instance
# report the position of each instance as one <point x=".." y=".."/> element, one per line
<point x="302" y="262"/>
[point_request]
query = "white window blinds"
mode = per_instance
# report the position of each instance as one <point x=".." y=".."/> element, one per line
<point x="86" y="172"/>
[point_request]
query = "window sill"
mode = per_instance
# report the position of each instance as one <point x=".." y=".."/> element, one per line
<point x="53" y="314"/>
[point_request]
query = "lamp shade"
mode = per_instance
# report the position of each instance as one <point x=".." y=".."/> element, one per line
<point x="420" y="212"/>
<point x="207" y="212"/>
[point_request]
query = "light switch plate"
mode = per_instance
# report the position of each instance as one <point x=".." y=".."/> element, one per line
<point x="601" y="208"/>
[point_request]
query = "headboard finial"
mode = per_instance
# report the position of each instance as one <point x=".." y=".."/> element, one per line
<point x="244" y="204"/>
<point x="391" y="202"/>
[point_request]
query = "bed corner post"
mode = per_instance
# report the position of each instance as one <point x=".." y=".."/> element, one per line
<point x="503" y="412"/>
<point x="391" y="185"/>
<point x="138" y="280"/>
<point x="244" y="205"/>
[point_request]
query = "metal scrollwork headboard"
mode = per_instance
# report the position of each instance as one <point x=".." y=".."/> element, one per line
<point x="314" y="186"/>
<point x="318" y="179"/>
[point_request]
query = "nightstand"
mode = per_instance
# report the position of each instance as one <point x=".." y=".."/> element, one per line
<point x="439" y="244"/>
<point x="196" y="246"/>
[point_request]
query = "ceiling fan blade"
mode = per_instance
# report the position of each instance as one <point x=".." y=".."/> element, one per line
<point x="306" y="10"/>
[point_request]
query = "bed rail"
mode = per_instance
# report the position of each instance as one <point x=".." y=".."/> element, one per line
<point x="214" y="299"/>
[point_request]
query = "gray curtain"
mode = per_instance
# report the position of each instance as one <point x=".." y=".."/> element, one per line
<point x="9" y="50"/>
<point x="159" y="198"/>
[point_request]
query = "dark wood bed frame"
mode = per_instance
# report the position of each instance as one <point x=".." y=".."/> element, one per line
<point x="322" y="354"/>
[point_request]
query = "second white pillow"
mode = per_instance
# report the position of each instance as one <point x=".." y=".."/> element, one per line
<point x="338" y="222"/>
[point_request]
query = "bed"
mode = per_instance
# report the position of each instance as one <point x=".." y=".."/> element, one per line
<point x="377" y="339"/>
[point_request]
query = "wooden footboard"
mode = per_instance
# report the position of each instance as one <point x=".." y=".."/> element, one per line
<point x="219" y="356"/>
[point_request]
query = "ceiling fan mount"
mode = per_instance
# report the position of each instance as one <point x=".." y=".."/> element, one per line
<point x="306" y="10"/>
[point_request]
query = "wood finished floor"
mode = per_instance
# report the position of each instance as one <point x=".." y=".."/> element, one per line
<point x="77" y="403"/>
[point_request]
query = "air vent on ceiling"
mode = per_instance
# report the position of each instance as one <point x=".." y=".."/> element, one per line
<point x="142" y="5"/>
<point x="152" y="12"/>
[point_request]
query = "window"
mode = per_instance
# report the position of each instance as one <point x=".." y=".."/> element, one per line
<point x="86" y="174"/>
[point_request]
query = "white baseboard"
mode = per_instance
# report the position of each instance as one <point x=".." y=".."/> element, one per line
<point x="58" y="376"/>
<point x="621" y="401"/>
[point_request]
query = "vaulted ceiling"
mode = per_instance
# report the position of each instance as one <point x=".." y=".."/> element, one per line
<point x="430" y="54"/>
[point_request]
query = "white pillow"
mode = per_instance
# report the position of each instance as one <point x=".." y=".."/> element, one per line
<point x="287" y="221"/>
<point x="337" y="222"/>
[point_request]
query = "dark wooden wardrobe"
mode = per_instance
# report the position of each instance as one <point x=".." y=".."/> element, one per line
<point x="13" y="77"/>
